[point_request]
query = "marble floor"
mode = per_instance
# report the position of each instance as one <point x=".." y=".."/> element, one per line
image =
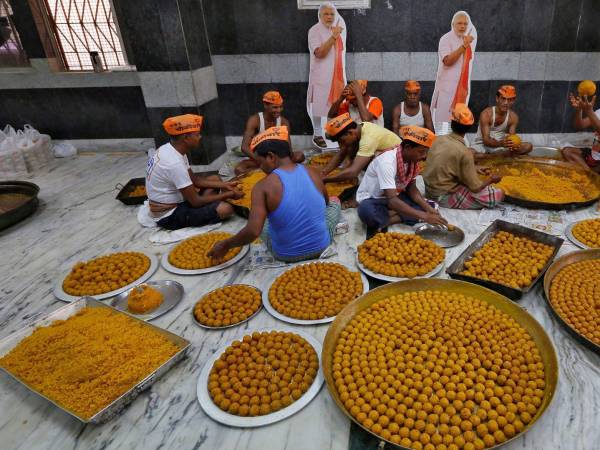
<point x="79" y="219"/>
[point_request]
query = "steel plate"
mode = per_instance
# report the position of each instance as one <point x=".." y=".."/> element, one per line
<point x="60" y="294"/>
<point x="176" y="270"/>
<point x="540" y="337"/>
<point x="233" y="324"/>
<point x="172" y="292"/>
<point x="440" y="235"/>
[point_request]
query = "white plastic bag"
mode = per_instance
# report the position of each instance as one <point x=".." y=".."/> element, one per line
<point x="12" y="162"/>
<point x="64" y="150"/>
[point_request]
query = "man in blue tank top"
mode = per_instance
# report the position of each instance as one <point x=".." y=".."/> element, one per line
<point x="301" y="219"/>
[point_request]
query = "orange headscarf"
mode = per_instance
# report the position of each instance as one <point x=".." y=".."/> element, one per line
<point x="412" y="86"/>
<point x="186" y="123"/>
<point x="273" y="133"/>
<point x="273" y="97"/>
<point x="462" y="114"/>
<point x="337" y="124"/>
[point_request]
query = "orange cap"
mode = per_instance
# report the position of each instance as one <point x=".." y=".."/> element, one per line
<point x="273" y="97"/>
<point x="508" y="91"/>
<point x="418" y="135"/>
<point x="412" y="86"/>
<point x="363" y="85"/>
<point x="273" y="133"/>
<point x="337" y="124"/>
<point x="462" y="114"/>
<point x="186" y="123"/>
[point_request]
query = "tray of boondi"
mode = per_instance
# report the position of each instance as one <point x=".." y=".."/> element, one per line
<point x="89" y="359"/>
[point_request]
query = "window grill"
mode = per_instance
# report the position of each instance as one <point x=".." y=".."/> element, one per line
<point x="11" y="50"/>
<point x="84" y="26"/>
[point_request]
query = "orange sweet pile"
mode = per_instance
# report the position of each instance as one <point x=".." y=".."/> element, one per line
<point x="588" y="232"/>
<point x="192" y="253"/>
<point x="227" y="305"/>
<point x="143" y="299"/>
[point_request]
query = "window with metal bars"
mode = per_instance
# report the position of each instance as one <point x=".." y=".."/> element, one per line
<point x="82" y="27"/>
<point x="11" y="50"/>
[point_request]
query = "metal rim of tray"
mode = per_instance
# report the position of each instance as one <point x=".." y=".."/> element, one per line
<point x="569" y="234"/>
<point x="379" y="276"/>
<point x="454" y="269"/>
<point x="555" y="269"/>
<point x="21" y="212"/>
<point x="271" y="310"/>
<point x="60" y="294"/>
<point x="158" y="311"/>
<point x="176" y="270"/>
<point x="233" y="324"/>
<point x="217" y="414"/>
<point x="118" y="404"/>
<point x="526" y="320"/>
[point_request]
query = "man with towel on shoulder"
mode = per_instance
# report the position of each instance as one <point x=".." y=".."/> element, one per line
<point x="301" y="218"/>
<point x="259" y="122"/>
<point x="177" y="197"/>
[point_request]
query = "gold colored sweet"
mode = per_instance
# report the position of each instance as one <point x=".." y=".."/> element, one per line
<point x="336" y="189"/>
<point x="228" y="305"/>
<point x="192" y="253"/>
<point x="588" y="232"/>
<point x="575" y="295"/>
<point x="138" y="191"/>
<point x="321" y="160"/>
<point x="315" y="291"/>
<point x="106" y="273"/>
<point x="262" y="373"/>
<point x="434" y="369"/>
<point x="89" y="360"/>
<point x="508" y="259"/>
<point x="400" y="255"/>
<point x="550" y="185"/>
<point x="144" y="299"/>
<point x="246" y="184"/>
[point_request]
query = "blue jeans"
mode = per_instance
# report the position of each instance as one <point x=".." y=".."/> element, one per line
<point x="374" y="212"/>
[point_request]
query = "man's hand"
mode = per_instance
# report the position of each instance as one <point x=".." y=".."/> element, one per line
<point x="235" y="194"/>
<point x="231" y="185"/>
<point x="587" y="105"/>
<point x="435" y="219"/>
<point x="356" y="89"/>
<point x="575" y="101"/>
<point x="336" y="31"/>
<point x="495" y="178"/>
<point x="467" y="40"/>
<point x="219" y="250"/>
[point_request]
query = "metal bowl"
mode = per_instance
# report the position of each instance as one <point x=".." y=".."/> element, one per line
<point x="555" y="268"/>
<point x="524" y="319"/>
<point x="23" y="210"/>
<point x="172" y="292"/>
<point x="440" y="234"/>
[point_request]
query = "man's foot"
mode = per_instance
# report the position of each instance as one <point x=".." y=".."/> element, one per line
<point x="319" y="141"/>
<point x="352" y="203"/>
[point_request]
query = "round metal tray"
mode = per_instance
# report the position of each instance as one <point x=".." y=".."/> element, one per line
<point x="524" y="319"/>
<point x="271" y="310"/>
<point x="233" y="324"/>
<point x="216" y="413"/>
<point x="172" y="292"/>
<point x="440" y="235"/>
<point x="379" y="276"/>
<point x="60" y="294"/>
<point x="164" y="261"/>
<point x="572" y="238"/>
<point x="555" y="268"/>
<point x="23" y="211"/>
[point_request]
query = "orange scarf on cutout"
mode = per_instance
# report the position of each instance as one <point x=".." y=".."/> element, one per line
<point x="462" y="90"/>
<point x="337" y="82"/>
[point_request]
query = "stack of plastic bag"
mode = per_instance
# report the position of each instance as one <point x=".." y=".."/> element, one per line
<point x="23" y="152"/>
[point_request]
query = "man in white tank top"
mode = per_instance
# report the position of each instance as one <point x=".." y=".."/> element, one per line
<point x="585" y="118"/>
<point x="411" y="111"/>
<point x="497" y="123"/>
<point x="361" y="106"/>
<point x="257" y="123"/>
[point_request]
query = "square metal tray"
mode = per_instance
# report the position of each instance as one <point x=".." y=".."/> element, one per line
<point x="500" y="225"/>
<point x="123" y="195"/>
<point x="117" y="405"/>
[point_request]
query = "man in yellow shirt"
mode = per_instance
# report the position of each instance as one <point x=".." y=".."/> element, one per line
<point x="358" y="143"/>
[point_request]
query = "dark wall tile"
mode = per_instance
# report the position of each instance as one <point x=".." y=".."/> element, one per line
<point x="564" y="25"/>
<point x="233" y="98"/>
<point x="25" y="24"/>
<point x="172" y="33"/>
<point x="537" y="25"/>
<point x="196" y="42"/>
<point x="529" y="105"/>
<point x="82" y="113"/>
<point x="554" y="106"/>
<point x="220" y="23"/>
<point x="588" y="36"/>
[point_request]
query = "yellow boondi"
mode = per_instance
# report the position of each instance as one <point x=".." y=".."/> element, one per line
<point x="138" y="191"/>
<point x="336" y="189"/>
<point x="550" y="186"/>
<point x="87" y="361"/>
<point x="247" y="183"/>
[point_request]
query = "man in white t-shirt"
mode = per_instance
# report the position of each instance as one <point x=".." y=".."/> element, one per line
<point x="388" y="193"/>
<point x="177" y="197"/>
<point x="585" y="117"/>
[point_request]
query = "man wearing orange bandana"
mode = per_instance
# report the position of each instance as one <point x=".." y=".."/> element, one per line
<point x="257" y="123"/>
<point x="361" y="106"/>
<point x="450" y="174"/>
<point x="497" y="123"/>
<point x="178" y="198"/>
<point x="301" y="219"/>
<point x="412" y="111"/>
<point x="388" y="193"/>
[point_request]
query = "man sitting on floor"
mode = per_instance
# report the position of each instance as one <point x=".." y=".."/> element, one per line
<point x="361" y="106"/>
<point x="301" y="219"/>
<point x="259" y="122"/>
<point x="497" y="123"/>
<point x="358" y="143"/>
<point x="584" y="118"/>
<point x="450" y="175"/>
<point x="388" y="193"/>
<point x="412" y="111"/>
<point x="177" y="197"/>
